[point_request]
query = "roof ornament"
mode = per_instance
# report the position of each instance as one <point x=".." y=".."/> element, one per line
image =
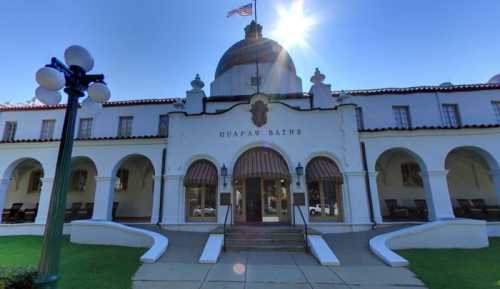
<point x="318" y="77"/>
<point x="343" y="95"/>
<point x="197" y="84"/>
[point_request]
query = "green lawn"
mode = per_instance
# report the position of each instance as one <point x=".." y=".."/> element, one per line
<point x="457" y="268"/>
<point x="82" y="266"/>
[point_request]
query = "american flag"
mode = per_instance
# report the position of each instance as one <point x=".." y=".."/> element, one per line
<point x="245" y="10"/>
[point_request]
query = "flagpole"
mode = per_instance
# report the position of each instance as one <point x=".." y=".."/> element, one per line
<point x="256" y="48"/>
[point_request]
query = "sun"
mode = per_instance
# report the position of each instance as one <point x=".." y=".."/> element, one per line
<point x="293" y="25"/>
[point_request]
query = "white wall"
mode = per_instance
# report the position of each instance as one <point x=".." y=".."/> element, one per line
<point x="237" y="80"/>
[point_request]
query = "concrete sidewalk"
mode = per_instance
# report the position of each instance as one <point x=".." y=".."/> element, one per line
<point x="178" y="268"/>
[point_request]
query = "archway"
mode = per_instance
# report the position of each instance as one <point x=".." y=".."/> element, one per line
<point x="81" y="190"/>
<point x="402" y="186"/>
<point x="133" y="189"/>
<point x="473" y="183"/>
<point x="324" y="188"/>
<point x="201" y="182"/>
<point x="23" y="192"/>
<point x="261" y="182"/>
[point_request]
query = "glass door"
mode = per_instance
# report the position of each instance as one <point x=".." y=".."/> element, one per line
<point x="274" y="201"/>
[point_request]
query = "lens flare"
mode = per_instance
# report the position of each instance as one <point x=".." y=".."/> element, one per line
<point x="293" y="25"/>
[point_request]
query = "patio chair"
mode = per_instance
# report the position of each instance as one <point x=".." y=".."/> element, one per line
<point x="30" y="214"/>
<point x="87" y="211"/>
<point x="488" y="210"/>
<point x="115" y="208"/>
<point x="395" y="210"/>
<point x="469" y="210"/>
<point x="421" y="206"/>
<point x="72" y="213"/>
<point x="12" y="215"/>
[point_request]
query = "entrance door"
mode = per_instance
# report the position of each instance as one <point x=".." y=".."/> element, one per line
<point x="253" y="200"/>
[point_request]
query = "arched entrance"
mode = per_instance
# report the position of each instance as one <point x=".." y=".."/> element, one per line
<point x="20" y="203"/>
<point x="81" y="190"/>
<point x="473" y="185"/>
<point x="401" y="186"/>
<point x="133" y="189"/>
<point x="261" y="182"/>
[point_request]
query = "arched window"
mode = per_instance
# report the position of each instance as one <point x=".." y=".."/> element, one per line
<point x="324" y="185"/>
<point x="201" y="191"/>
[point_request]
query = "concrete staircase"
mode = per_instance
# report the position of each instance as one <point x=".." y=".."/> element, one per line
<point x="264" y="237"/>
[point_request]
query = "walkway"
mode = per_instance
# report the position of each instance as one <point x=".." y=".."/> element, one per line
<point x="178" y="268"/>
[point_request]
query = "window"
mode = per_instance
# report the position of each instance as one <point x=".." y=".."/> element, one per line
<point x="402" y="116"/>
<point x="47" y="131"/>
<point x="254" y="81"/>
<point x="450" y="115"/>
<point x="201" y="203"/>
<point x="411" y="175"/>
<point x="200" y="182"/>
<point x="496" y="108"/>
<point x="324" y="188"/>
<point x="35" y="182"/>
<point x="9" y="131"/>
<point x="78" y="180"/>
<point x="163" y="126"/>
<point x="359" y="118"/>
<point x="85" y="128"/>
<point x="121" y="183"/>
<point x="125" y="126"/>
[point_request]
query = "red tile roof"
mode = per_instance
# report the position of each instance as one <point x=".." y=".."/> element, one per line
<point x="87" y="139"/>
<point x="467" y="126"/>
<point x="38" y="106"/>
<point x="420" y="89"/>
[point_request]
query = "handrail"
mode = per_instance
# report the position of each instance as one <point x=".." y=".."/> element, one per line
<point x="305" y="225"/>
<point x="229" y="209"/>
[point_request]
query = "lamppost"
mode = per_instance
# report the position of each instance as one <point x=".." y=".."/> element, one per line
<point x="73" y="77"/>
<point x="223" y="173"/>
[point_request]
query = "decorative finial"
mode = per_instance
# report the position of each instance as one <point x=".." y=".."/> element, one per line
<point x="197" y="84"/>
<point x="253" y="31"/>
<point x="318" y="77"/>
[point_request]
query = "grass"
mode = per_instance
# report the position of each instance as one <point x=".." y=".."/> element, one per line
<point x="457" y="268"/>
<point x="82" y="266"/>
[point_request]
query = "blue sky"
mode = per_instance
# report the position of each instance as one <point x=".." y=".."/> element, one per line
<point x="153" y="48"/>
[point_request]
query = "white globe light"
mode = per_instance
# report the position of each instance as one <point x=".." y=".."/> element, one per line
<point x="79" y="56"/>
<point x="99" y="92"/>
<point x="50" y="78"/>
<point x="91" y="107"/>
<point x="47" y="96"/>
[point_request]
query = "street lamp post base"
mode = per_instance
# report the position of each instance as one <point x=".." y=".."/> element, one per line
<point x="47" y="282"/>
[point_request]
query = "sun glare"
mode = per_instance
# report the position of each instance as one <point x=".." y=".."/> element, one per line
<point x="293" y="25"/>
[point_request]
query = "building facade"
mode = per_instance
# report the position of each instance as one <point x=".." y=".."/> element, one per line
<point x="260" y="150"/>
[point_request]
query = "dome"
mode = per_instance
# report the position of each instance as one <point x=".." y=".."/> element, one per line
<point x="495" y="79"/>
<point x="244" y="51"/>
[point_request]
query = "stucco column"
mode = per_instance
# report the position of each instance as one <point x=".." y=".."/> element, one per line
<point x="44" y="201"/>
<point x="377" y="212"/>
<point x="103" y="202"/>
<point x="438" y="196"/>
<point x="298" y="188"/>
<point x="359" y="207"/>
<point x="156" y="199"/>
<point x="4" y="187"/>
<point x="173" y="205"/>
<point x="495" y="177"/>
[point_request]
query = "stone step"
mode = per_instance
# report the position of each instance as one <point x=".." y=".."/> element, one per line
<point x="254" y="242"/>
<point x="266" y="237"/>
<point x="270" y="238"/>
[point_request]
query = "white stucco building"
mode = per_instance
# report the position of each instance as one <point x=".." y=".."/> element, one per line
<point x="349" y="159"/>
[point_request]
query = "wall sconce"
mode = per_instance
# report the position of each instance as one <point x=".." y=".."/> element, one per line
<point x="299" y="170"/>
<point x="223" y="173"/>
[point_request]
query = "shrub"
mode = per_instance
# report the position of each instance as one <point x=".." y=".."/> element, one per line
<point x="17" y="277"/>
